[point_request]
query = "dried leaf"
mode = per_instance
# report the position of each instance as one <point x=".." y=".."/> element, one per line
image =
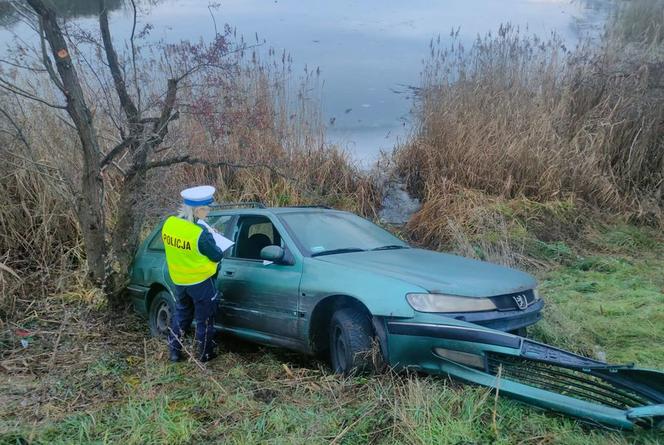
<point x="288" y="371"/>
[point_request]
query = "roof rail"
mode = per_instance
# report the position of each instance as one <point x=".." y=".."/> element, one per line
<point x="317" y="206"/>
<point x="233" y="205"/>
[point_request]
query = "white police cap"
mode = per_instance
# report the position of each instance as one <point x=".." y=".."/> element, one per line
<point x="198" y="196"/>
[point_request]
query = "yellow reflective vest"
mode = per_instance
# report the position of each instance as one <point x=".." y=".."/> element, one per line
<point x="186" y="265"/>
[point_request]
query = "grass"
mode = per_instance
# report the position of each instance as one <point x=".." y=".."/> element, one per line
<point x="111" y="383"/>
<point x="611" y="305"/>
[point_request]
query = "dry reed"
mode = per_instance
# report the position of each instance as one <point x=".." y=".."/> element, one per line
<point x="517" y="116"/>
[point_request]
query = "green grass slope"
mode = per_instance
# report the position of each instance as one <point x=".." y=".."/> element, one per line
<point x="111" y="383"/>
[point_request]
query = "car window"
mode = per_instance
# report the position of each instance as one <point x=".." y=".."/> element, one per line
<point x="220" y="224"/>
<point x="156" y="243"/>
<point x="266" y="229"/>
<point x="318" y="232"/>
<point x="252" y="235"/>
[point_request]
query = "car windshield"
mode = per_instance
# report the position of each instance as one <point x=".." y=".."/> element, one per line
<point x="327" y="233"/>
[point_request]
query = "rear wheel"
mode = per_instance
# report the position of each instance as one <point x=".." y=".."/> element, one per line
<point x="659" y="425"/>
<point x="351" y="342"/>
<point x="160" y="314"/>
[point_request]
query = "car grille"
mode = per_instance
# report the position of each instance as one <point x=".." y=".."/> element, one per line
<point x="566" y="381"/>
<point x="507" y="302"/>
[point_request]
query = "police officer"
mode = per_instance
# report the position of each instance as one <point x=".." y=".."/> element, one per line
<point x="192" y="257"/>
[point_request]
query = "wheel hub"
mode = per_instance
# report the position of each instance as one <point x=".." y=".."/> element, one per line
<point x="163" y="318"/>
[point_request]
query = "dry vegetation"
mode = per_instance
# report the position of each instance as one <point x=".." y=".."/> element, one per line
<point x="271" y="137"/>
<point x="521" y="141"/>
<point x="39" y="240"/>
<point x="519" y="121"/>
<point x="640" y="22"/>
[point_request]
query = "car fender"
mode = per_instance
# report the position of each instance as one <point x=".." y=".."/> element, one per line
<point x="381" y="295"/>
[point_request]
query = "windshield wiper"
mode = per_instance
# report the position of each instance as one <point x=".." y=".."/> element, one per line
<point x="390" y="247"/>
<point x="335" y="251"/>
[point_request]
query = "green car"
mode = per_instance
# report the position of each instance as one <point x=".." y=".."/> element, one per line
<point x="331" y="283"/>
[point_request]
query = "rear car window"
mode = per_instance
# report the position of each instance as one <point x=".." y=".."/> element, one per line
<point x="264" y="228"/>
<point x="156" y="243"/>
<point x="220" y="224"/>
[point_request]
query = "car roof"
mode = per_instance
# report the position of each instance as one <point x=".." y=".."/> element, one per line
<point x="272" y="210"/>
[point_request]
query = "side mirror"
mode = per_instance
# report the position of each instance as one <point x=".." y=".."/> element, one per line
<point x="273" y="253"/>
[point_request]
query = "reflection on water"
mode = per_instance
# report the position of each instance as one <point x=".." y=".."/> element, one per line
<point x="70" y="9"/>
<point x="368" y="51"/>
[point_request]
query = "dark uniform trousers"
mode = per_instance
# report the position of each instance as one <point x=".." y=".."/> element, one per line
<point x="195" y="302"/>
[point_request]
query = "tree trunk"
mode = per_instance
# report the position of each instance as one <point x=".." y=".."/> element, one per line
<point x="130" y="214"/>
<point x="90" y="209"/>
<point x="126" y="233"/>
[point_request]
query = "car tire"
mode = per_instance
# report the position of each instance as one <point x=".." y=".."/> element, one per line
<point x="351" y="342"/>
<point x="160" y="314"/>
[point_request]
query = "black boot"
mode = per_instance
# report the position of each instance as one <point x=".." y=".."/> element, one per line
<point x="175" y="356"/>
<point x="207" y="357"/>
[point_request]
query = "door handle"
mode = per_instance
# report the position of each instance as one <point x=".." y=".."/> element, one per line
<point x="229" y="273"/>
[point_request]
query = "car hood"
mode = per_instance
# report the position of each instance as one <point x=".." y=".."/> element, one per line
<point x="437" y="272"/>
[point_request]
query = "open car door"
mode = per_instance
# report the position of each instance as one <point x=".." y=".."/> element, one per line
<point x="260" y="298"/>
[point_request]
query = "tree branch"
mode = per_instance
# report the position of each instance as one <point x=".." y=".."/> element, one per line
<point x="133" y="56"/>
<point x="116" y="151"/>
<point x="12" y="88"/>
<point x="23" y="67"/>
<point x="114" y="65"/>
<point x="216" y="32"/>
<point x="25" y="15"/>
<point x="200" y="66"/>
<point x="103" y="84"/>
<point x="161" y="127"/>
<point x="46" y="60"/>
<point x="188" y="159"/>
<point x="19" y="132"/>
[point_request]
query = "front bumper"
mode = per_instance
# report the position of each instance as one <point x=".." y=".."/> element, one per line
<point x="501" y="320"/>
<point x="535" y="373"/>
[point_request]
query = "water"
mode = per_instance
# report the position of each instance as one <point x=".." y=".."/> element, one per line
<point x="397" y="205"/>
<point x="368" y="51"/>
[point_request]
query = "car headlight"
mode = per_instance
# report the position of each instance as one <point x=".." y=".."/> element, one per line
<point x="448" y="303"/>
<point x="536" y="294"/>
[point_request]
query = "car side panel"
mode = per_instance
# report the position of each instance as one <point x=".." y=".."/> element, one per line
<point x="260" y="297"/>
<point x="261" y="300"/>
<point x="382" y="295"/>
<point x="147" y="269"/>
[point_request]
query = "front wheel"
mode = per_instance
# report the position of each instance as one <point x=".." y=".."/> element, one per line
<point x="160" y="314"/>
<point x="351" y="342"/>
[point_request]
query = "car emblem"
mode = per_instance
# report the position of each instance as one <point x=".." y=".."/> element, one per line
<point x="521" y="301"/>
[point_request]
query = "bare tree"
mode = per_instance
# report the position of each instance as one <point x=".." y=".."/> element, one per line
<point x="141" y="126"/>
<point x="90" y="209"/>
